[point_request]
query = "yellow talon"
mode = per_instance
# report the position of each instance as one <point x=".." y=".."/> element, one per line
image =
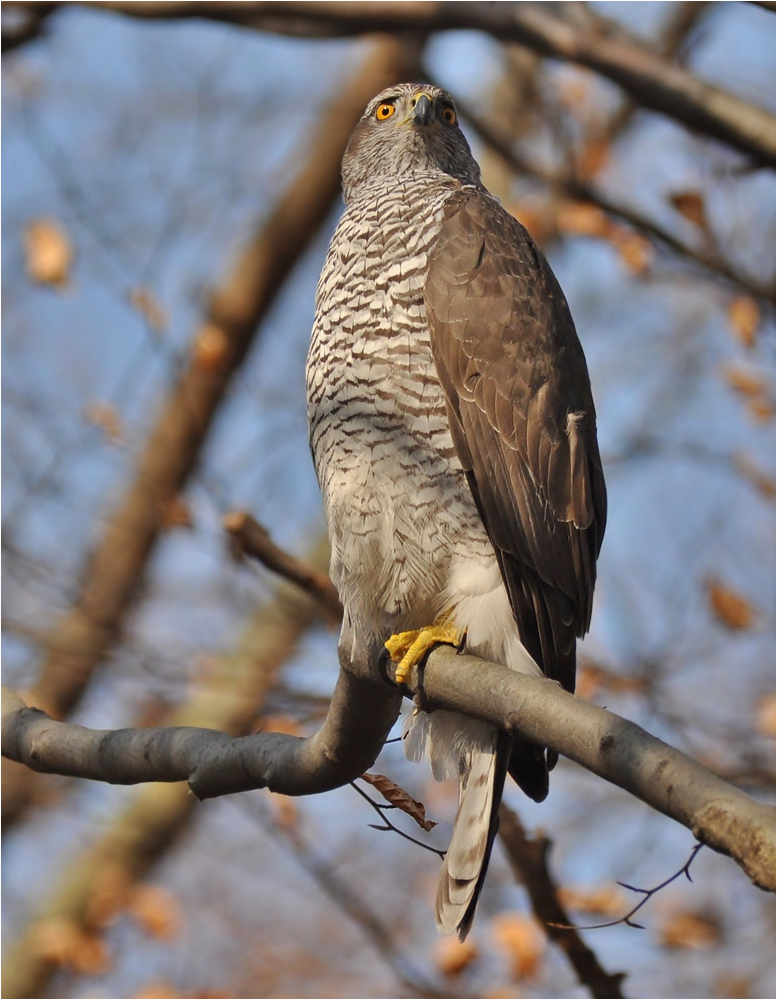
<point x="407" y="649"/>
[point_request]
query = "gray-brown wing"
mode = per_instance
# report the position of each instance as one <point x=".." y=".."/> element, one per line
<point x="522" y="419"/>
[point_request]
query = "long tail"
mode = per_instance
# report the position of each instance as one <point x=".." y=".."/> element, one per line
<point x="481" y="782"/>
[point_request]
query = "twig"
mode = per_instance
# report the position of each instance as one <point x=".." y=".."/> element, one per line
<point x="647" y="894"/>
<point x="381" y="810"/>
<point x="582" y="191"/>
<point x="251" y="539"/>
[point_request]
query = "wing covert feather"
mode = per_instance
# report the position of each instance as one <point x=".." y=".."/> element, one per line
<point x="522" y="418"/>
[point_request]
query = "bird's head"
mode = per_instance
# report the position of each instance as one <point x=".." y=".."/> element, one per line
<point x="408" y="128"/>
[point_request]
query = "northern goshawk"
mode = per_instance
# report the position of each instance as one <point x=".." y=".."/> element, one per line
<point x="454" y="438"/>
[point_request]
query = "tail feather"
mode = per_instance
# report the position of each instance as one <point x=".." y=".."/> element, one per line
<point x="463" y="872"/>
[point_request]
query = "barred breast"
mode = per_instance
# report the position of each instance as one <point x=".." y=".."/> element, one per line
<point x="398" y="505"/>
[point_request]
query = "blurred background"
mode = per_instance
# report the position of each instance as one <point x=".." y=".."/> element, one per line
<point x="169" y="190"/>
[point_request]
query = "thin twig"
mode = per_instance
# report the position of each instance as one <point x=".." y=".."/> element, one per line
<point x="249" y="538"/>
<point x="647" y="894"/>
<point x="577" y="189"/>
<point x="381" y="809"/>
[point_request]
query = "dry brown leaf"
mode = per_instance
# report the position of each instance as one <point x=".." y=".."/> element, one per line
<point x="285" y="811"/>
<point x="746" y="383"/>
<point x="538" y="218"/>
<point x="573" y="88"/>
<point x="398" y="797"/>
<point x="177" y="514"/>
<point x="452" y="957"/>
<point x="604" y="900"/>
<point x="109" y="896"/>
<point x="583" y="219"/>
<point x="280" y="724"/>
<point x="156" y="910"/>
<point x="106" y="418"/>
<point x="591" y="678"/>
<point x="761" y="409"/>
<point x="744" y="317"/>
<point x="636" y="252"/>
<point x="747" y="467"/>
<point x="48" y="255"/>
<point x="689" y="930"/>
<point x="158" y="989"/>
<point x="691" y="205"/>
<point x="730" y="608"/>
<point x="522" y="941"/>
<point x="63" y="943"/>
<point x="211" y="346"/>
<point x="146" y="304"/>
<point x="594" y="156"/>
<point x="766" y="716"/>
<point x="734" y="986"/>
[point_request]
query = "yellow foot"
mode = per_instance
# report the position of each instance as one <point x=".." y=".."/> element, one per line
<point x="407" y="649"/>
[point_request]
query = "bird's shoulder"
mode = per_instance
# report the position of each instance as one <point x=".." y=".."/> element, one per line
<point x="518" y="391"/>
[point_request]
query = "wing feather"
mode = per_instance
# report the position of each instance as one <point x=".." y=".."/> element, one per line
<point x="522" y="418"/>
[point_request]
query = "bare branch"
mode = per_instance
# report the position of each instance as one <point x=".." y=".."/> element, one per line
<point x="364" y="708"/>
<point x="141" y="833"/>
<point x="115" y="570"/>
<point x="528" y="857"/>
<point x="23" y="22"/>
<point x="647" y="894"/>
<point x="251" y="539"/>
<point x="595" y="43"/>
<point x="578" y="189"/>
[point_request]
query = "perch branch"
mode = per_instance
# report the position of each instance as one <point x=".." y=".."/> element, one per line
<point x="364" y="708"/>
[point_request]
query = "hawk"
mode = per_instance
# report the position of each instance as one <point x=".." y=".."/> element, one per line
<point x="453" y="433"/>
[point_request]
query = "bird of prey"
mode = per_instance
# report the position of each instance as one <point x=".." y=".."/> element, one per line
<point x="454" y="438"/>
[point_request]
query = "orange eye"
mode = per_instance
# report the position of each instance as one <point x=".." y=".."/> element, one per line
<point x="384" y="111"/>
<point x="449" y="116"/>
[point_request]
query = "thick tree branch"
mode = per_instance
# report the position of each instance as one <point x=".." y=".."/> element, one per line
<point x="362" y="712"/>
<point x="650" y="80"/>
<point x="528" y="857"/>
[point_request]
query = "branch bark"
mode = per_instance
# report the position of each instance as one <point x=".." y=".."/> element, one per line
<point x="362" y="712"/>
<point x="650" y="80"/>
<point x="528" y="857"/>
<point x="251" y="539"/>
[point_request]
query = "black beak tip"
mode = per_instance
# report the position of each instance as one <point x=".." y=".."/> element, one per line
<point x="422" y="111"/>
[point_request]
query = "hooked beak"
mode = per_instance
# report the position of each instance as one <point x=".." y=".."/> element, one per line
<point x="422" y="111"/>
